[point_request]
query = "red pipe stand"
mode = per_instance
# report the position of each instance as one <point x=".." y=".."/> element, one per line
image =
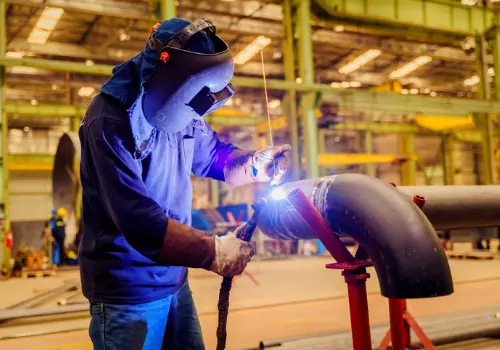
<point x="354" y="269"/>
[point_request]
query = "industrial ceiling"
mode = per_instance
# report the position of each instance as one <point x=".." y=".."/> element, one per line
<point x="111" y="31"/>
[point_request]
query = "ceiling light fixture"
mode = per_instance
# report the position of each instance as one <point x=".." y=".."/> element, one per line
<point x="335" y="85"/>
<point x="298" y="80"/>
<point x="355" y="84"/>
<point x="414" y="91"/>
<point x="89" y="63"/>
<point x="491" y="71"/>
<point x="45" y="25"/>
<point x="14" y="54"/>
<point x="86" y="91"/>
<point x="410" y="67"/>
<point x="345" y="84"/>
<point x="339" y="28"/>
<point x="274" y="104"/>
<point x="405" y="91"/>
<point x="360" y="61"/>
<point x="471" y="81"/>
<point x="252" y="49"/>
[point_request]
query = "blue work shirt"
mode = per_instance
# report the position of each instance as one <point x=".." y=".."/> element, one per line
<point x="134" y="179"/>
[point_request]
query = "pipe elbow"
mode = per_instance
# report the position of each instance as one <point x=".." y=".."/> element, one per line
<point x="402" y="244"/>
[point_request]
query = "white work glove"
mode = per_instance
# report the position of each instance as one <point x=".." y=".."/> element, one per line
<point x="263" y="158"/>
<point x="231" y="255"/>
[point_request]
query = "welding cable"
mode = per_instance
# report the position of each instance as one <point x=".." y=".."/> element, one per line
<point x="223" y="308"/>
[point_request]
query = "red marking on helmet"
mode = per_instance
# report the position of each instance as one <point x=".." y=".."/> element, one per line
<point x="154" y="28"/>
<point x="164" y="57"/>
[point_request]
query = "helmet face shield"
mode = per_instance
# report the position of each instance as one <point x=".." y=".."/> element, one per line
<point x="187" y="86"/>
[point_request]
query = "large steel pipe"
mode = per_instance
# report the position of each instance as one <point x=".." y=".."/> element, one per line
<point x="400" y="241"/>
<point x="457" y="207"/>
<point x="66" y="190"/>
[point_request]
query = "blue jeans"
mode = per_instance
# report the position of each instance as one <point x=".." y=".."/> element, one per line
<point x="168" y="324"/>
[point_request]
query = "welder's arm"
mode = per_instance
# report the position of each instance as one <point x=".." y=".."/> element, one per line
<point x="140" y="219"/>
<point x="225" y="162"/>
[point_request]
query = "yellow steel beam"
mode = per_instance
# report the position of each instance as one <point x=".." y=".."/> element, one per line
<point x="30" y="162"/>
<point x="336" y="159"/>
<point x="442" y="122"/>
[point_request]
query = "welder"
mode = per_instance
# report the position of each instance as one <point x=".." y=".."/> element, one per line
<point x="141" y="138"/>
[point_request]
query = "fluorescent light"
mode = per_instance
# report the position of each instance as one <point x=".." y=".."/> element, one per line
<point x="345" y="84"/>
<point x="335" y="85"/>
<point x="274" y="103"/>
<point x="405" y="91"/>
<point x="433" y="93"/>
<point x="14" y="54"/>
<point x="491" y="71"/>
<point x="34" y="102"/>
<point x="24" y="70"/>
<point x="248" y="52"/>
<point x="410" y="67"/>
<point x="360" y="61"/>
<point x="86" y="91"/>
<point x="471" y="81"/>
<point x="355" y="84"/>
<point x="469" y="2"/>
<point x="413" y="91"/>
<point x="89" y="63"/>
<point x="45" y="25"/>
<point x="339" y="28"/>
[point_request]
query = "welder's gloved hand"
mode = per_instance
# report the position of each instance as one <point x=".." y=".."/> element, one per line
<point x="231" y="255"/>
<point x="263" y="167"/>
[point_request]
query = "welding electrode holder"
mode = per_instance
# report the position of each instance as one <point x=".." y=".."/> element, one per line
<point x="245" y="234"/>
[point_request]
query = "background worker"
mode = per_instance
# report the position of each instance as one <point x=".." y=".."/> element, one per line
<point x="141" y="139"/>
<point x="58" y="228"/>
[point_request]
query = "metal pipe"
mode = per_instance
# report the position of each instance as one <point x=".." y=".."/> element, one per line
<point x="402" y="244"/>
<point x="457" y="207"/>
<point x="14" y="314"/>
<point x="30" y="302"/>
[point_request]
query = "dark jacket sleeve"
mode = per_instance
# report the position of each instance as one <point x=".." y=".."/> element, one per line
<point x="210" y="154"/>
<point x="124" y="196"/>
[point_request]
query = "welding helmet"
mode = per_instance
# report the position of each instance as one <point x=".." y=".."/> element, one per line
<point x="187" y="85"/>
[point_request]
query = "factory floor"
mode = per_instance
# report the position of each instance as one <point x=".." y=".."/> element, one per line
<point x="286" y="298"/>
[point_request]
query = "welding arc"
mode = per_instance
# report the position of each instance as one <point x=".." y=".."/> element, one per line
<point x="267" y="97"/>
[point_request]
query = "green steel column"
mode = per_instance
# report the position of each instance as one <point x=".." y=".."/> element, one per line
<point x="4" y="186"/>
<point x="167" y="9"/>
<point x="368" y="149"/>
<point x="322" y="171"/>
<point x="214" y="193"/>
<point x="306" y="63"/>
<point x="291" y="96"/>
<point x="74" y="120"/>
<point x="447" y="162"/>
<point x="409" y="168"/>
<point x="483" y="120"/>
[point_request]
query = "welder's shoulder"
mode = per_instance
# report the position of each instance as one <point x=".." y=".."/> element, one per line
<point x="106" y="107"/>
<point x="105" y="112"/>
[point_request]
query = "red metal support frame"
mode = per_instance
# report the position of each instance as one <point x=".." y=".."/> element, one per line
<point x="354" y="269"/>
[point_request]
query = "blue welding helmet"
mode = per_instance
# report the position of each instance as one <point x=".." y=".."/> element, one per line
<point x="187" y="85"/>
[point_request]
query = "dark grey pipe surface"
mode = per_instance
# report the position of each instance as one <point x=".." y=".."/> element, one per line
<point x="456" y="207"/>
<point x="400" y="241"/>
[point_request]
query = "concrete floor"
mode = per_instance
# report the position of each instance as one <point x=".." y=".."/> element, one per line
<point x="292" y="298"/>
